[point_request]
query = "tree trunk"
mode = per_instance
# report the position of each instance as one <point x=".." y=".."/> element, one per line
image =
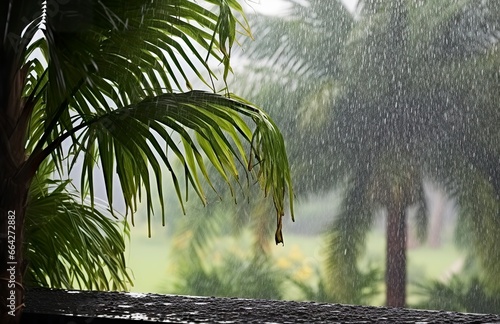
<point x="15" y="114"/>
<point x="396" y="255"/>
<point x="13" y="199"/>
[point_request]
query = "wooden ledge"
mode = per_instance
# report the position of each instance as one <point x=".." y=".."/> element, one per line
<point x="62" y="306"/>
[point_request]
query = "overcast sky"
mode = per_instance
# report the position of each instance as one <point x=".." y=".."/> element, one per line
<point x="274" y="6"/>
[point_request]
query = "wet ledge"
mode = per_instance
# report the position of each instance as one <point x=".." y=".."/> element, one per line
<point x="61" y="306"/>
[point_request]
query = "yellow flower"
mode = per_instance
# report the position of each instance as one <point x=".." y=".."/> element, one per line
<point x="283" y="263"/>
<point x="304" y="273"/>
<point x="296" y="253"/>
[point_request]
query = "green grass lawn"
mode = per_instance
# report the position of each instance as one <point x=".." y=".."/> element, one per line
<point x="154" y="268"/>
<point x="148" y="258"/>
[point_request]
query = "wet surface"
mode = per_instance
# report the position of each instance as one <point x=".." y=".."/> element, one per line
<point x="114" y="307"/>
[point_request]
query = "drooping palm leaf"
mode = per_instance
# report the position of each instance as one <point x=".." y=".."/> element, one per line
<point x="115" y="98"/>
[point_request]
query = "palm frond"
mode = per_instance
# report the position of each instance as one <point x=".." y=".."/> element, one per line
<point x="120" y="53"/>
<point x="71" y="245"/>
<point x="113" y="74"/>
<point x="130" y="141"/>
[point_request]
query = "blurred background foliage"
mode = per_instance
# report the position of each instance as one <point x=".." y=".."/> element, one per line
<point x="393" y="94"/>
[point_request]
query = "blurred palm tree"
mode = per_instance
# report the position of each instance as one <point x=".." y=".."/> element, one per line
<point x="378" y="101"/>
<point x="108" y="77"/>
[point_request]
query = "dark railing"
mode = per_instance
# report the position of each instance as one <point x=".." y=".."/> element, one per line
<point x="60" y="306"/>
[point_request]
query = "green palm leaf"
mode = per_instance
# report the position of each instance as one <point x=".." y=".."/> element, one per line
<point x="208" y="124"/>
<point x="108" y="77"/>
<point x="115" y="100"/>
<point x="71" y="244"/>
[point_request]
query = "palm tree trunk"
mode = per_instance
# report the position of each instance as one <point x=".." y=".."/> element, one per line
<point x="13" y="198"/>
<point x="14" y="116"/>
<point x="396" y="255"/>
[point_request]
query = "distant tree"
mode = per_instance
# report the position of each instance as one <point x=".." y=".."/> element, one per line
<point x="108" y="77"/>
<point x="404" y="91"/>
<point x="414" y="74"/>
